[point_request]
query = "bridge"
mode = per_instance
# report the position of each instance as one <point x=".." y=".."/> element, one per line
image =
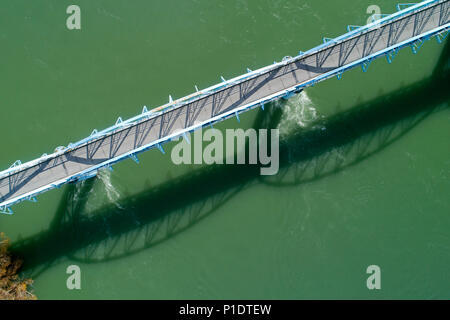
<point x="410" y="26"/>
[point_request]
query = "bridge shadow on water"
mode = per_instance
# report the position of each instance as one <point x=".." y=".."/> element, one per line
<point x="160" y="213"/>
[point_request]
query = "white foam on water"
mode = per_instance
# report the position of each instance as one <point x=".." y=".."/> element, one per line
<point x="112" y="193"/>
<point x="77" y="193"/>
<point x="298" y="111"/>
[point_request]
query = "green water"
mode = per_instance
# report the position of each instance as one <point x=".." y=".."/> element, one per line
<point x="364" y="172"/>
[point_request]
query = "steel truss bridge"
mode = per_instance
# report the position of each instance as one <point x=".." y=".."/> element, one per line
<point x="410" y="26"/>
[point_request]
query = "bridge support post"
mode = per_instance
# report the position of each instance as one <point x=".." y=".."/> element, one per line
<point x="339" y="75"/>
<point x="365" y="65"/>
<point x="135" y="158"/>
<point x="350" y="28"/>
<point x="32" y="199"/>
<point x="160" y="148"/>
<point x="262" y="105"/>
<point x="416" y="47"/>
<point x="15" y="164"/>
<point x="440" y="37"/>
<point x="391" y="55"/>
<point x="186" y="138"/>
<point x="237" y="116"/>
<point x="6" y="210"/>
<point x="402" y="6"/>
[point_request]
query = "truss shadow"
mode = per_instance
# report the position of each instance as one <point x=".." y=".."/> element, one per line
<point x="162" y="212"/>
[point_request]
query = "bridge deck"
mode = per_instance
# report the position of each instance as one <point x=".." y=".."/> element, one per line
<point x="223" y="101"/>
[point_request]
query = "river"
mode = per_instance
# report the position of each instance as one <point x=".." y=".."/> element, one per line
<point x="364" y="161"/>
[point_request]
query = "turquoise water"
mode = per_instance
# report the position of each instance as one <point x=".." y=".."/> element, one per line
<point x="364" y="172"/>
